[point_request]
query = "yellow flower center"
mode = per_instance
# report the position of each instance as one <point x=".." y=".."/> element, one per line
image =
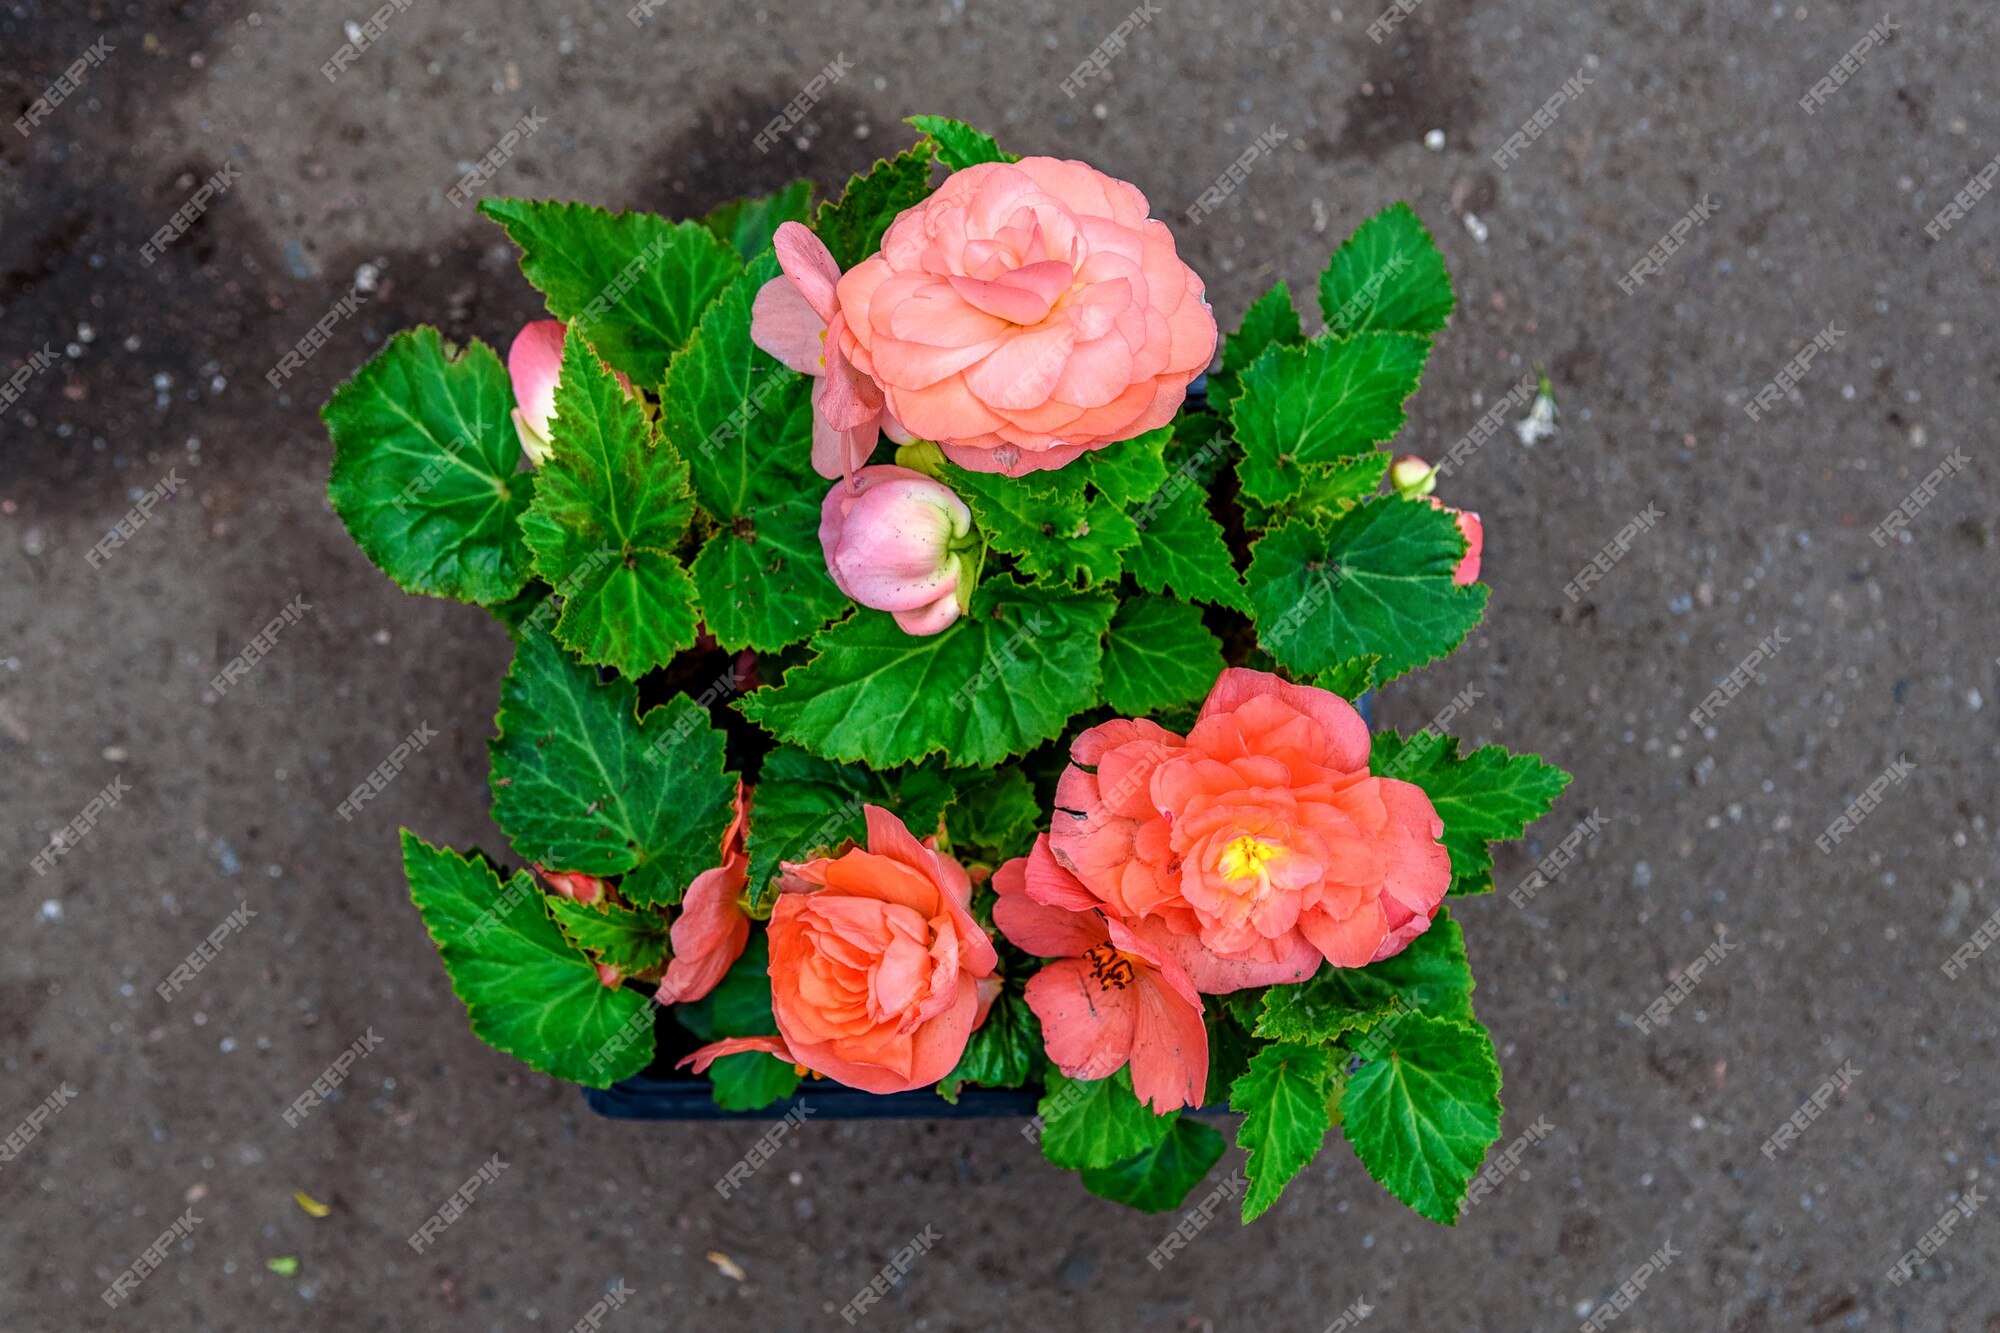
<point x="1246" y="857"/>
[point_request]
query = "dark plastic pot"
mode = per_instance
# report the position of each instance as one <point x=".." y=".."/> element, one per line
<point x="661" y="1092"/>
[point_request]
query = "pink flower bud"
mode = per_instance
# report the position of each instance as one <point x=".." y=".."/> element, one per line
<point x="574" y="884"/>
<point x="901" y="542"/>
<point x="534" y="363"/>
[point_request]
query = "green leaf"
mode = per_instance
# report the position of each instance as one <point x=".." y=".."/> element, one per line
<point x="1388" y="275"/>
<point x="1054" y="531"/>
<point x="1377" y="579"/>
<point x="610" y="505"/>
<point x="997" y="682"/>
<point x="1350" y="679"/>
<point x="633" y="284"/>
<point x="740" y="1004"/>
<point x="629" y="941"/>
<point x="1285" y="1098"/>
<point x="1128" y="471"/>
<point x="1158" y="654"/>
<point x="580" y="783"/>
<point x="751" y="1080"/>
<point x="1313" y="491"/>
<point x="997" y="813"/>
<point x="1271" y="321"/>
<point x="526" y="990"/>
<point x="747" y="225"/>
<point x="763" y="580"/>
<point x="1429" y="976"/>
<point x="959" y="145"/>
<point x="804" y="806"/>
<point x="1422" y="1116"/>
<point x="1001" y="1052"/>
<point x="1181" y="546"/>
<point x="1321" y="403"/>
<point x="1484" y="797"/>
<point x="1097" y="1122"/>
<point x="426" y="468"/>
<point x="852" y="227"/>
<point x="1160" y="1178"/>
<point x="744" y="422"/>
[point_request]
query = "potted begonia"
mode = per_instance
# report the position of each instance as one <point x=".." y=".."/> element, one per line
<point x="935" y="675"/>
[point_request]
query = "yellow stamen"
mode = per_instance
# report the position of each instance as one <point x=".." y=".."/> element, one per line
<point x="1246" y="857"/>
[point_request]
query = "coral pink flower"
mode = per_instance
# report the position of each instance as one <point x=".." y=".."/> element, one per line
<point x="712" y="929"/>
<point x="900" y="542"/>
<point x="1260" y="842"/>
<point x="1025" y="313"/>
<point x="534" y="364"/>
<point x="1111" y="998"/>
<point x="876" y="960"/>
<point x="1412" y="477"/>
<point x="797" y="319"/>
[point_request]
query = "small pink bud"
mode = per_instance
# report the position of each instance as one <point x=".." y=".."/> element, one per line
<point x="1411" y="475"/>
<point x="901" y="542"/>
<point x="573" y="884"/>
<point x="534" y="364"/>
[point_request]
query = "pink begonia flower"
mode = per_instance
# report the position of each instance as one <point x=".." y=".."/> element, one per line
<point x="875" y="963"/>
<point x="900" y="542"/>
<point x="534" y="364"/>
<point x="1412" y="477"/>
<point x="1025" y="313"/>
<point x="1112" y="998"/>
<point x="712" y="929"/>
<point x="797" y="319"/>
<point x="1260" y="842"/>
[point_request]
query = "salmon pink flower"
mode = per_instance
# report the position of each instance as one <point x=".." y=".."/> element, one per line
<point x="712" y="929"/>
<point x="534" y="364"/>
<point x="1111" y="998"/>
<point x="900" y="542"/>
<point x="1412" y="477"/>
<point x="876" y="961"/>
<point x="796" y="317"/>
<point x="1024" y="313"/>
<point x="1260" y="841"/>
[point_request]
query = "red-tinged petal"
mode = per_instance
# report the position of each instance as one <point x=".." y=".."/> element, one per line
<point x="574" y="884"/>
<point x="1214" y="975"/>
<point x="1086" y="1028"/>
<point x="714" y="1051"/>
<point x="1169" y="1047"/>
<point x="708" y="936"/>
<point x="1348" y="943"/>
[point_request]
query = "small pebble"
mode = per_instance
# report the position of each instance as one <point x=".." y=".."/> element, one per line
<point x="1435" y="141"/>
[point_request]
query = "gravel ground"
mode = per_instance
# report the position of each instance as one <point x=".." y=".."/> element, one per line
<point x="1883" y="655"/>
